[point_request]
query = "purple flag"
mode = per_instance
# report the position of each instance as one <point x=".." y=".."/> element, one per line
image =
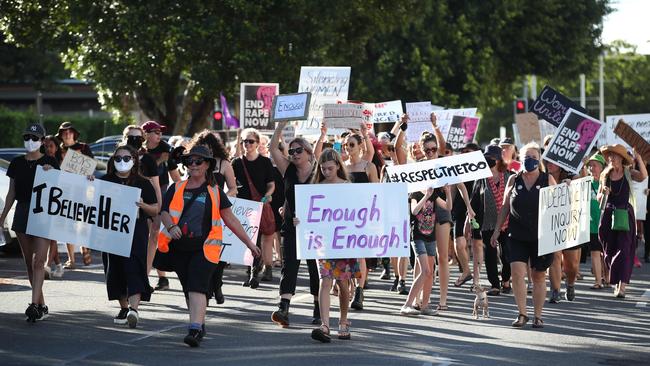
<point x="229" y="120"/>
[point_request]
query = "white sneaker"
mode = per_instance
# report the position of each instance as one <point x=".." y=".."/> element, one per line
<point x="48" y="272"/>
<point x="429" y="311"/>
<point x="58" y="271"/>
<point x="132" y="318"/>
<point x="409" y="310"/>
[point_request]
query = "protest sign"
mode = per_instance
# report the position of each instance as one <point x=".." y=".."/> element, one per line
<point x="633" y="138"/>
<point x="528" y="128"/>
<point x="552" y="106"/>
<point x="419" y="120"/>
<point x="78" y="163"/>
<point x="564" y="214"/>
<point x="387" y="112"/>
<point x="290" y="107"/>
<point x="546" y="129"/>
<point x="249" y="214"/>
<point x="366" y="220"/>
<point x="343" y="115"/>
<point x="326" y="85"/>
<point x="69" y="208"/>
<point x="438" y="172"/>
<point x="515" y="135"/>
<point x="573" y="141"/>
<point x="462" y="131"/>
<point x="255" y="103"/>
<point x="641" y="200"/>
<point x="443" y="119"/>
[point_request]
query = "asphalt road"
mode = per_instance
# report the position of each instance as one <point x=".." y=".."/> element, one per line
<point x="595" y="329"/>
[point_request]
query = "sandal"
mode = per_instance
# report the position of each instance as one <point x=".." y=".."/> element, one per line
<point x="69" y="265"/>
<point x="321" y="334"/>
<point x="493" y="291"/>
<point x="597" y="286"/>
<point x="277" y="263"/>
<point x="440" y="308"/>
<point x="461" y="281"/>
<point x="86" y="256"/>
<point x="344" y="330"/>
<point x="521" y="321"/>
<point x="538" y="323"/>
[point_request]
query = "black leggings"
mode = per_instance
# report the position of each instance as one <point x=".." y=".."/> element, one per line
<point x="491" y="262"/>
<point x="291" y="265"/>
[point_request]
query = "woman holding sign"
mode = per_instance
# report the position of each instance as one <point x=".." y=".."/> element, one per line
<point x="126" y="278"/>
<point x="521" y="208"/>
<point x="193" y="214"/>
<point x="330" y="169"/>
<point x="297" y="169"/>
<point x="21" y="173"/>
<point x="617" y="230"/>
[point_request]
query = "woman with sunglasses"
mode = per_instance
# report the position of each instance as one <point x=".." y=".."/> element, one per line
<point x="298" y="168"/>
<point x="193" y="213"/>
<point x="21" y="173"/>
<point x="126" y="278"/>
<point x="225" y="177"/>
<point x="254" y="174"/>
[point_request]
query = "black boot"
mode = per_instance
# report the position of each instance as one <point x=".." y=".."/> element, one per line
<point x="254" y="281"/>
<point x="316" y="314"/>
<point x="281" y="316"/>
<point x="268" y="274"/>
<point x="385" y="274"/>
<point x="357" y="302"/>
<point x="393" y="288"/>
<point x="247" y="281"/>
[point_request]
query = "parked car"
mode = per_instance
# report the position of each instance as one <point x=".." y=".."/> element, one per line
<point x="11" y="152"/>
<point x="11" y="245"/>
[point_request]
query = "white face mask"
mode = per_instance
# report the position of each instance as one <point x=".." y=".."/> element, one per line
<point x="32" y="146"/>
<point x="123" y="167"/>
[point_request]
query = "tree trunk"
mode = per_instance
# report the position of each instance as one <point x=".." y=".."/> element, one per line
<point x="200" y="115"/>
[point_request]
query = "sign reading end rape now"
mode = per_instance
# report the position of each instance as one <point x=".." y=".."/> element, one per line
<point x="367" y="220"/>
<point x="68" y="207"/>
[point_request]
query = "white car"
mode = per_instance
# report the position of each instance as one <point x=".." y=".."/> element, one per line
<point x="9" y="235"/>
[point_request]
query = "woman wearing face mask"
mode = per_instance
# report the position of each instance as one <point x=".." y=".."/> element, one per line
<point x="22" y="171"/>
<point x="619" y="239"/>
<point x="69" y="137"/>
<point x="126" y="278"/>
<point x="520" y="207"/>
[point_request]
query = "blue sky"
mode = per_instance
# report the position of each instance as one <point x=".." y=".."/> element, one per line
<point x="629" y="22"/>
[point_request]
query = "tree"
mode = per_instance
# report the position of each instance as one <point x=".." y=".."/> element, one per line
<point x="33" y="66"/>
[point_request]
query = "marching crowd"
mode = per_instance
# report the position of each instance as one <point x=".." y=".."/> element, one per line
<point x="184" y="203"/>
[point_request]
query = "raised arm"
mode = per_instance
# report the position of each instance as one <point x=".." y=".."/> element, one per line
<point x="400" y="149"/>
<point x="640" y="174"/>
<point x="318" y="148"/>
<point x="369" y="147"/>
<point x="440" y="139"/>
<point x="278" y="158"/>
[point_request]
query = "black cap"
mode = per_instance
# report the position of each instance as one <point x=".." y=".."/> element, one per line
<point x="492" y="152"/>
<point x="202" y="151"/>
<point x="36" y="130"/>
<point x="506" y="141"/>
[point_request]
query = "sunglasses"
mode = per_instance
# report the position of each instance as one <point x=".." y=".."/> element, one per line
<point x="295" y="151"/>
<point x="125" y="158"/>
<point x="431" y="150"/>
<point x="195" y="161"/>
<point x="31" y="137"/>
<point x="248" y="141"/>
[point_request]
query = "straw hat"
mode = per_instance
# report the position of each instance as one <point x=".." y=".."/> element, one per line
<point x="618" y="149"/>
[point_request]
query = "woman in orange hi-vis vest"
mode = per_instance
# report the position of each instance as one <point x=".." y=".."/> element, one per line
<point x="193" y="213"/>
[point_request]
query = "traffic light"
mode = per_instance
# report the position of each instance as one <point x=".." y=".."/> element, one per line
<point x="521" y="105"/>
<point x="217" y="120"/>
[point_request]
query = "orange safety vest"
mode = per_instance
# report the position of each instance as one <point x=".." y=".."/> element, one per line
<point x="212" y="246"/>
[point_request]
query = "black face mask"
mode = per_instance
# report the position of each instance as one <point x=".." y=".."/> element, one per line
<point x="134" y="141"/>
<point x="491" y="162"/>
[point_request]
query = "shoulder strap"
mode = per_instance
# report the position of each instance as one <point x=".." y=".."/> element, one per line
<point x="255" y="195"/>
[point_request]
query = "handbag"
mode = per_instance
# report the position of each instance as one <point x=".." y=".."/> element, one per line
<point x="620" y="220"/>
<point x="267" y="221"/>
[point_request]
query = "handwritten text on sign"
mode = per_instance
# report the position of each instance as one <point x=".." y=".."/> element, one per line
<point x="552" y="106"/>
<point x="443" y="117"/>
<point x="343" y="115"/>
<point x="387" y="112"/>
<point x="78" y="163"/>
<point x="564" y="214"/>
<point x="438" y="172"/>
<point x="326" y="85"/>
<point x="363" y="220"/>
<point x="68" y="207"/>
<point x="249" y="214"/>
<point x="576" y="136"/>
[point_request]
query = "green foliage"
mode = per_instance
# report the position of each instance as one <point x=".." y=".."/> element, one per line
<point x="90" y="128"/>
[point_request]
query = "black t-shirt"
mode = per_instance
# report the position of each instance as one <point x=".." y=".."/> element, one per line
<point x="290" y="181"/>
<point x="261" y="173"/>
<point x="23" y="173"/>
<point x="147" y="192"/>
<point x="148" y="166"/>
<point x="423" y="224"/>
<point x="165" y="167"/>
<point x="196" y="221"/>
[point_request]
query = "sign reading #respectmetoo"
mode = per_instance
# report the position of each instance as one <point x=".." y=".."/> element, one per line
<point x="365" y="220"/>
<point x="69" y="208"/>
<point x="564" y="214"/>
<point x="438" y="172"/>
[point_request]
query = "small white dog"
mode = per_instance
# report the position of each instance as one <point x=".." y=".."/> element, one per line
<point x="481" y="302"/>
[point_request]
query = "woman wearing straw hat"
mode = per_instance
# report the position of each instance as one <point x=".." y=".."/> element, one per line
<point x="617" y="230"/>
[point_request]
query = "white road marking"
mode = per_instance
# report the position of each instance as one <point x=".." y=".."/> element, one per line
<point x="641" y="304"/>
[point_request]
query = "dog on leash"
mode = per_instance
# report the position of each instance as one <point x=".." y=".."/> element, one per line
<point x="480" y="302"/>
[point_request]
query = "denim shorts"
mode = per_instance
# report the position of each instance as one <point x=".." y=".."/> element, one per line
<point x="424" y="247"/>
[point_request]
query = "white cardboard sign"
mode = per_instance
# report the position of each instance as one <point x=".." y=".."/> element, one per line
<point x="326" y="85"/>
<point x="69" y="208"/>
<point x="290" y="107"/>
<point x="343" y="115"/>
<point x="639" y="122"/>
<point x="365" y="220"/>
<point x="249" y="214"/>
<point x="438" y="172"/>
<point x="387" y="112"/>
<point x="443" y="120"/>
<point x="78" y="163"/>
<point x="564" y="215"/>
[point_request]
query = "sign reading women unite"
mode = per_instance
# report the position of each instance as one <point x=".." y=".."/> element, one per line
<point x="69" y="208"/>
<point x="564" y="214"/>
<point x="365" y="220"/>
<point x="438" y="172"/>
